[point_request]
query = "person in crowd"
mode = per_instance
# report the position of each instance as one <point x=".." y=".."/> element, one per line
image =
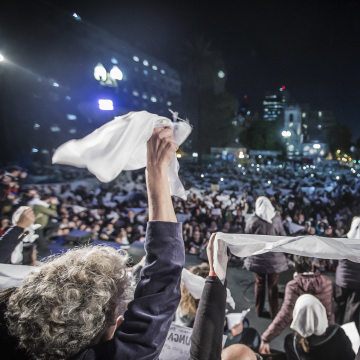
<point x="43" y="209"/>
<point x="206" y="339"/>
<point x="85" y="291"/>
<point x="266" y="267"/>
<point x="4" y="224"/>
<point x="185" y="313"/>
<point x="109" y="232"/>
<point x="347" y="284"/>
<point x="305" y="282"/>
<point x="30" y="255"/>
<point x="12" y="237"/>
<point x="239" y="352"/>
<point x="314" y="338"/>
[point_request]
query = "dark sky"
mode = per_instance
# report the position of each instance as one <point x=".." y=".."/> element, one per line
<point x="310" y="46"/>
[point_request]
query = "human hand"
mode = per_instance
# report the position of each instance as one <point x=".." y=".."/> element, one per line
<point x="161" y="149"/>
<point x="26" y="218"/>
<point x="54" y="201"/>
<point x="264" y="348"/>
<point x="23" y="175"/>
<point x="238" y="329"/>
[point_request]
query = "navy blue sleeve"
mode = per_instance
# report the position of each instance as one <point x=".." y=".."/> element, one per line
<point x="146" y="323"/>
<point x="8" y="242"/>
<point x="207" y="336"/>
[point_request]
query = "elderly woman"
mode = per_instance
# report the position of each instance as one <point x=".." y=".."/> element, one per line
<point x="266" y="267"/>
<point x="81" y="305"/>
<point x="314" y="338"/>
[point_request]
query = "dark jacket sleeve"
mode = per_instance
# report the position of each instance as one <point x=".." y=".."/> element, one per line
<point x="146" y="323"/>
<point x="206" y="339"/>
<point x="8" y="242"/>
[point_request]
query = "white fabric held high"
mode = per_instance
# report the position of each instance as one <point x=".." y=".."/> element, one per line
<point x="121" y="145"/>
<point x="264" y="209"/>
<point x="309" y="316"/>
<point x="244" y="245"/>
<point x="194" y="284"/>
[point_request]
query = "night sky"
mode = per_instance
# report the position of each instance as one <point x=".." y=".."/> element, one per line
<point x="312" y="47"/>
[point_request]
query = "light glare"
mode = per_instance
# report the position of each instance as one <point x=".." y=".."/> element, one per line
<point x="105" y="104"/>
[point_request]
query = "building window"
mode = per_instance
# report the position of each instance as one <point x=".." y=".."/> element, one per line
<point x="291" y="117"/>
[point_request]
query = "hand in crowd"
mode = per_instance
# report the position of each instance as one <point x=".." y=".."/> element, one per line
<point x="54" y="201"/>
<point x="264" y="348"/>
<point x="161" y="149"/>
<point x="26" y="218"/>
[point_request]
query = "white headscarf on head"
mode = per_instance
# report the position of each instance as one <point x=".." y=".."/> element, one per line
<point x="309" y="316"/>
<point x="354" y="232"/>
<point x="264" y="209"/>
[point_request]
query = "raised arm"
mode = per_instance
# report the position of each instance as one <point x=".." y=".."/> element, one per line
<point x="206" y="339"/>
<point x="146" y="323"/>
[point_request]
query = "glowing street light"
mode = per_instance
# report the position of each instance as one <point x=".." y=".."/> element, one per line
<point x="1" y="58"/>
<point x="221" y="179"/>
<point x="100" y="72"/>
<point x="316" y="146"/>
<point x="241" y="155"/>
<point x="286" y="134"/>
<point x="195" y="154"/>
<point x="105" y="104"/>
<point x="239" y="165"/>
<point x="178" y="156"/>
<point x="202" y="175"/>
<point x="116" y="73"/>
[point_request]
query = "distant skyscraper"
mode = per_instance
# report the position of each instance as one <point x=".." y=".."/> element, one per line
<point x="274" y="104"/>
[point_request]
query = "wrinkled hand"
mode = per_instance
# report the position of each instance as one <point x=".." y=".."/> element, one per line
<point x="26" y="219"/>
<point x="264" y="348"/>
<point x="161" y="149"/>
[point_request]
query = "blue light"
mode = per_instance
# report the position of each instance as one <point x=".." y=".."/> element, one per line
<point x="106" y="104"/>
<point x="34" y="150"/>
<point x="76" y="16"/>
<point x="114" y="61"/>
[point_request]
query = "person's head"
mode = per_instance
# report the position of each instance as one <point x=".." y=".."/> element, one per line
<point x="196" y="236"/>
<point x="96" y="227"/>
<point x="329" y="231"/>
<point x="301" y="218"/>
<point x="29" y="254"/>
<point x="303" y="264"/>
<point x="15" y="171"/>
<point x="123" y="233"/>
<point x="312" y="231"/>
<point x="109" y="226"/>
<point x="82" y="227"/>
<point x="131" y="214"/>
<point x="188" y="304"/>
<point x="4" y="222"/>
<point x="69" y="318"/>
<point x="238" y="352"/>
<point x="309" y="318"/>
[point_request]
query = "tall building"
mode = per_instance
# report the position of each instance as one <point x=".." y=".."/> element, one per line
<point x="274" y="104"/>
<point x="64" y="77"/>
<point x="293" y="127"/>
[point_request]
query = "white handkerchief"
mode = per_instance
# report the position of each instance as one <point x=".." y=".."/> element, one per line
<point x="121" y="145"/>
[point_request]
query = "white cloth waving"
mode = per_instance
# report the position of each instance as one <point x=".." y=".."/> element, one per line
<point x="121" y="145"/>
<point x="243" y="245"/>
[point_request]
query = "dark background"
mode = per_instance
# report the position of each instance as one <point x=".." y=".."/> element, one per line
<point x="311" y="47"/>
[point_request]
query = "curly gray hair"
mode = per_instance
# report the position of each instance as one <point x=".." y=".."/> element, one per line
<point x="66" y="305"/>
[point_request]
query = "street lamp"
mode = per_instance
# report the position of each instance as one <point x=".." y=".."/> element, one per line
<point x="286" y="134"/>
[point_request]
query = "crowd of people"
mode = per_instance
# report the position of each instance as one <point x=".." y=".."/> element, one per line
<point x="113" y="320"/>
